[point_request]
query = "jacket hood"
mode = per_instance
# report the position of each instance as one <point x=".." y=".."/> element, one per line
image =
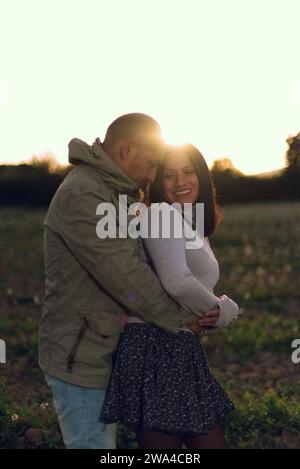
<point x="95" y="156"/>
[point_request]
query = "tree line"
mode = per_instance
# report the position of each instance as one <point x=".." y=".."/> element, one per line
<point x="35" y="183"/>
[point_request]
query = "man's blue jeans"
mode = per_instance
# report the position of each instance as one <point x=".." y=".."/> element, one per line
<point x="78" y="412"/>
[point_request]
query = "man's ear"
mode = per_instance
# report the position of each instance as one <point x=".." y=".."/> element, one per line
<point x="128" y="150"/>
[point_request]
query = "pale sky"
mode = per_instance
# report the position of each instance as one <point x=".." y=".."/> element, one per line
<point x="221" y="74"/>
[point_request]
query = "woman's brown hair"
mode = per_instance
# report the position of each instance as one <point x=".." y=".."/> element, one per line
<point x="212" y="214"/>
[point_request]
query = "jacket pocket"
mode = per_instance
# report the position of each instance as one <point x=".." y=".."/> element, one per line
<point x="104" y="325"/>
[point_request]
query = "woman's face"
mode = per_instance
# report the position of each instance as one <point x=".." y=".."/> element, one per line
<point x="180" y="181"/>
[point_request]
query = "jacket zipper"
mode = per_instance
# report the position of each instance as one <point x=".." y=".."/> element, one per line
<point x="71" y="357"/>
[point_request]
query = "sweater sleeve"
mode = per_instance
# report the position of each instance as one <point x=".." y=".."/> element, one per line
<point x="169" y="259"/>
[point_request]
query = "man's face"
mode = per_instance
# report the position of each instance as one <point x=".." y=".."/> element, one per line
<point x="143" y="166"/>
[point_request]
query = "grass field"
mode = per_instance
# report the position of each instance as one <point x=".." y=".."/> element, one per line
<point x="258" y="248"/>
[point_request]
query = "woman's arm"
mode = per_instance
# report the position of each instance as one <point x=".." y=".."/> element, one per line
<point x="169" y="259"/>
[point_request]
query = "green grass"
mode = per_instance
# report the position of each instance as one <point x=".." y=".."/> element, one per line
<point x="259" y="423"/>
<point x="258" y="249"/>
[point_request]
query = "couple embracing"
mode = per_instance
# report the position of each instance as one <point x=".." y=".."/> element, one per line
<point x="123" y="317"/>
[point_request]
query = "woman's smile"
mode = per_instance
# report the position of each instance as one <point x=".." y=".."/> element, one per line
<point x="183" y="192"/>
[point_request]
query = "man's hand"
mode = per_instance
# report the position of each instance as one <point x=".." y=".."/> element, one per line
<point x="209" y="320"/>
<point x="210" y="317"/>
<point x="196" y="328"/>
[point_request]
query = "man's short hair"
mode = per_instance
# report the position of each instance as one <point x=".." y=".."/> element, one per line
<point x="134" y="125"/>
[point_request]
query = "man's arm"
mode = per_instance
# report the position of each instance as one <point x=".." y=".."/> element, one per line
<point x="114" y="262"/>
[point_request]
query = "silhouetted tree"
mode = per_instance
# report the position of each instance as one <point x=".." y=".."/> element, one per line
<point x="291" y="175"/>
<point x="32" y="184"/>
<point x="225" y="165"/>
<point x="293" y="153"/>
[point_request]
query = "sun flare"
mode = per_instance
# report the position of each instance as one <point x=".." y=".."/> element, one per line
<point x="173" y="135"/>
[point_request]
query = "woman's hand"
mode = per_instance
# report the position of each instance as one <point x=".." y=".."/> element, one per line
<point x="229" y="311"/>
<point x="223" y="314"/>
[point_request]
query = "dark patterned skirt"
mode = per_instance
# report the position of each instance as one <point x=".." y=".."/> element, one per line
<point x="161" y="381"/>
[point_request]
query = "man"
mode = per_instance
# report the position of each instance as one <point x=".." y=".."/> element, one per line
<point x="90" y="281"/>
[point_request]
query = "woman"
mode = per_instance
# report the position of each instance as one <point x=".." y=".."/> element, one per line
<point x="161" y="383"/>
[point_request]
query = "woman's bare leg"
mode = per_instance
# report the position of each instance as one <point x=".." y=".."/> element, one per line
<point x="152" y="439"/>
<point x="214" y="439"/>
